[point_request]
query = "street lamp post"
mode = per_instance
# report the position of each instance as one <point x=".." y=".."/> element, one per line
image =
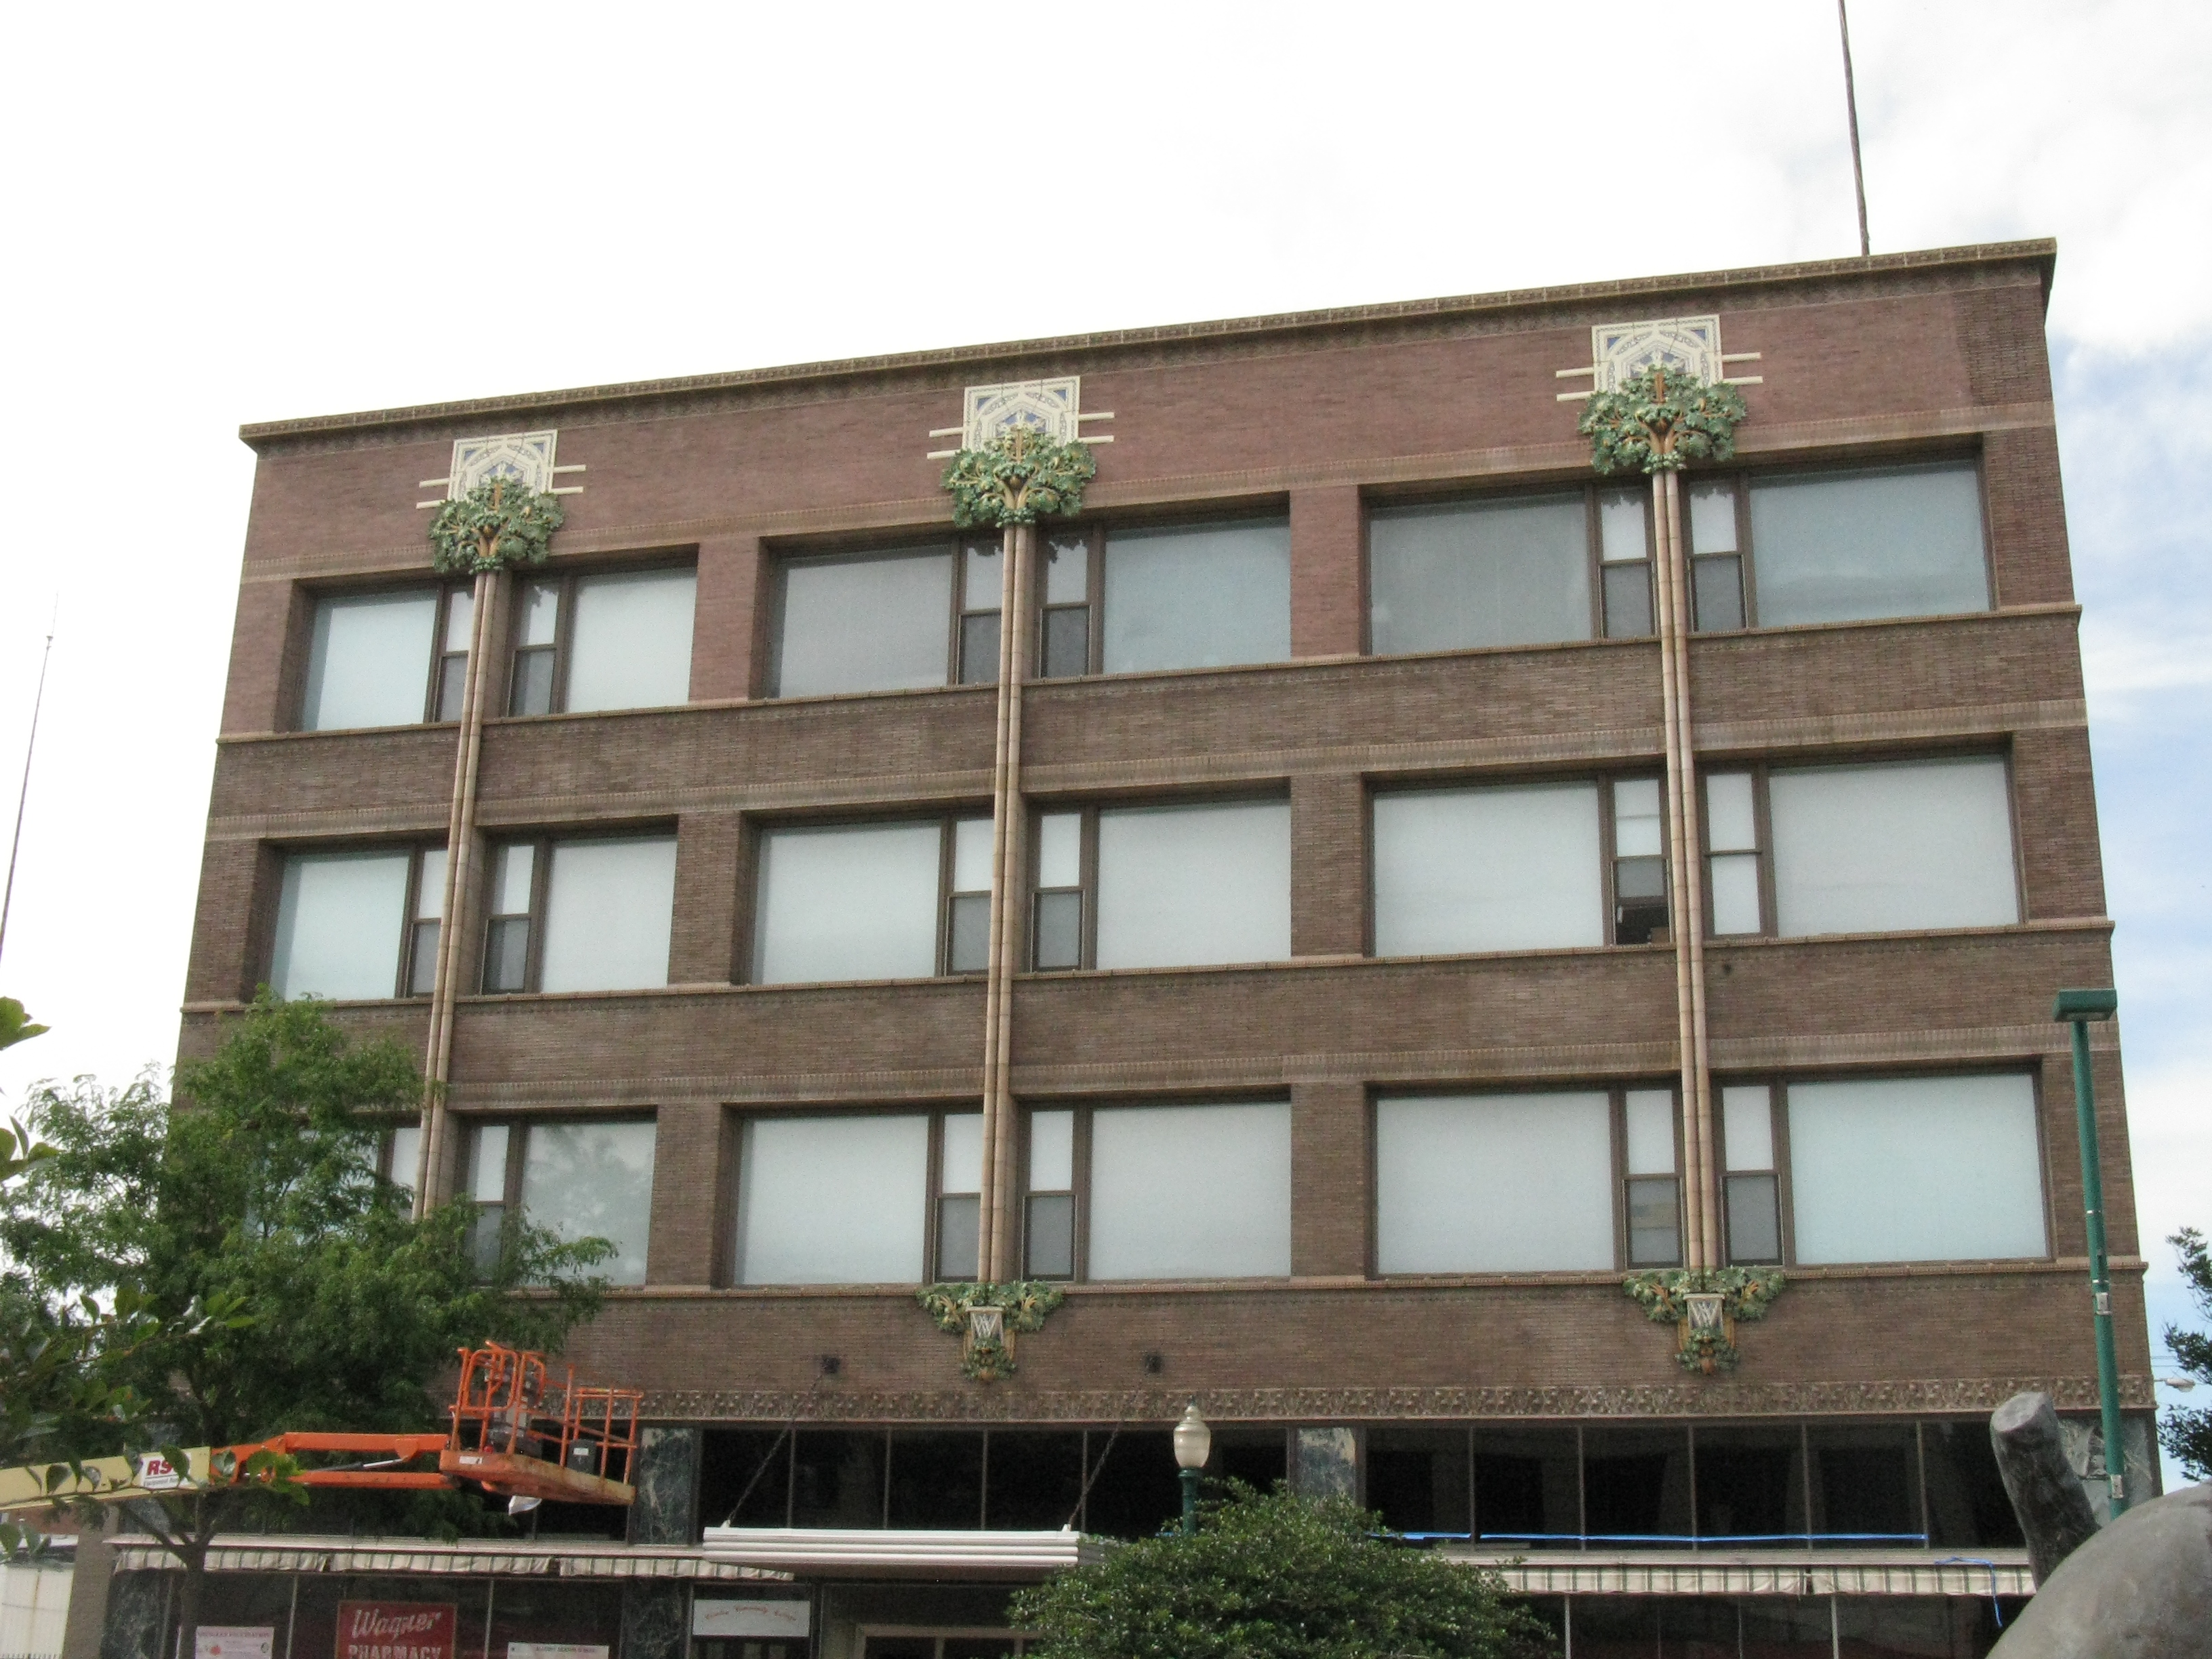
<point x="1192" y="1440"/>
<point x="2078" y="1009"/>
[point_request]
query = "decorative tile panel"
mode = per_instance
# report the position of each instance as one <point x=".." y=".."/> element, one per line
<point x="1621" y="351"/>
<point x="527" y="456"/>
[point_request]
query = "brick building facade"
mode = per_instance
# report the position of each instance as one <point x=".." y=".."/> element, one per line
<point x="1406" y="747"/>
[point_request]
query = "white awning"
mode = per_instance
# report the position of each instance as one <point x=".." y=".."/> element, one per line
<point x="474" y="1557"/>
<point x="1779" y="1572"/>
<point x="872" y="1549"/>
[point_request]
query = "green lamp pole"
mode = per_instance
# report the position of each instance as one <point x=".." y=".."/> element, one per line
<point x="1193" y="1441"/>
<point x="2078" y="1009"/>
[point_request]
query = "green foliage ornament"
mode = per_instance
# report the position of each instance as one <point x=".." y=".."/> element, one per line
<point x="502" y="524"/>
<point x="1021" y="475"/>
<point x="1704" y="1304"/>
<point x="1661" y="421"/>
<point x="1278" y="1577"/>
<point x="987" y="1316"/>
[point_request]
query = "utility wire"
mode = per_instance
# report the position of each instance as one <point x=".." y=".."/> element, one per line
<point x="1852" y="108"/>
<point x="23" y="795"/>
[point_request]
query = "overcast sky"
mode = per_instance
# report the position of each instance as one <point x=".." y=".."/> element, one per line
<point x="231" y="213"/>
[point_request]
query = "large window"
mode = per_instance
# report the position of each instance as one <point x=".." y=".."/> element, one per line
<point x="1200" y="596"/>
<point x="579" y="915"/>
<point x="1776" y="549"/>
<point x="1527" y="1183"/>
<point x="1895" y="847"/>
<point x="389" y="659"/>
<point x="872" y="900"/>
<point x="1519" y="867"/>
<point x="864" y="622"/>
<point x="362" y="924"/>
<point x="582" y="1178"/>
<point x="850" y="1199"/>
<point x="1927" y="1168"/>
<point x="1509" y="572"/>
<point x="616" y="640"/>
<point x="1163" y="886"/>
<point x="1177" y="1191"/>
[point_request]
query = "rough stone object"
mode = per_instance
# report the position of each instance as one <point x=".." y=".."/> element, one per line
<point x="2054" y="1511"/>
<point x="2142" y="1589"/>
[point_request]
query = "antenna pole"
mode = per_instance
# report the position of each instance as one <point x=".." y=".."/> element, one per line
<point x="23" y="795"/>
<point x="1852" y="108"/>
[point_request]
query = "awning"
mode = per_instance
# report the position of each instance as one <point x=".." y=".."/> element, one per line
<point x="472" y="1558"/>
<point x="1791" y="1573"/>
<point x="868" y="1549"/>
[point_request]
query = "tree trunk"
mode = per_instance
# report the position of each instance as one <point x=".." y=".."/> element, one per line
<point x="191" y="1552"/>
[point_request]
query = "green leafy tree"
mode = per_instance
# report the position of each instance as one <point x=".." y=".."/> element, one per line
<point x="272" y="1280"/>
<point x="2186" y="1433"/>
<point x="1278" y="1578"/>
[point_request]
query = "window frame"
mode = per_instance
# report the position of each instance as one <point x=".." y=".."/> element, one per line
<point x="1593" y="493"/>
<point x="409" y="921"/>
<point x="1080" y="1166"/>
<point x="1761" y="772"/>
<point x="1608" y="843"/>
<point x="296" y="685"/>
<point x="729" y="1251"/>
<point x="1030" y="891"/>
<point x="1777" y="1085"/>
<point x="1745" y="479"/>
<point x="1618" y="1176"/>
<point x="518" y="1126"/>
<point x="778" y="561"/>
<point x="947" y="823"/>
<point x="563" y="579"/>
<point x="542" y="843"/>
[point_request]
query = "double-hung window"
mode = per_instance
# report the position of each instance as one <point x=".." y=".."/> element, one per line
<point x="858" y="1198"/>
<point x="396" y="658"/>
<point x="1519" y="867"/>
<point x="1895" y="846"/>
<point x="612" y="639"/>
<point x="1159" y="1191"/>
<point x="1162" y="886"/>
<point x="1945" y="1167"/>
<point x="1562" y="1180"/>
<point x="581" y="1178"/>
<point x="359" y="924"/>
<point x="1772" y="549"/>
<point x="583" y="914"/>
<point x="905" y="899"/>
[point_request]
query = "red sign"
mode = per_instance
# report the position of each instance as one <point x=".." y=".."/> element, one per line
<point x="395" y="1630"/>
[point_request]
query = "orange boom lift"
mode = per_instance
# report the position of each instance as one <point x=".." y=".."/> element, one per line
<point x="517" y="1432"/>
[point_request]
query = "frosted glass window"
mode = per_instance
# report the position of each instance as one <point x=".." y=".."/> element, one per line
<point x="406" y="1154"/>
<point x="832" y="1201"/>
<point x="982" y="587"/>
<point x="1052" y="1151"/>
<point x="488" y="1164"/>
<point x="1934" y="1169"/>
<point x="1493" y="1183"/>
<point x="1066" y="570"/>
<point x="1747" y="1126"/>
<point x="1509" y="869"/>
<point x="1198" y="598"/>
<point x="1730" y="824"/>
<point x="608" y="906"/>
<point x="1650" y="1132"/>
<point x="1190" y="1192"/>
<point x="510" y="884"/>
<point x="1732" y="831"/>
<point x="1182" y="885"/>
<point x="340" y="921"/>
<point x="368" y="660"/>
<point x="1713" y="518"/>
<point x="1895" y="848"/>
<point x="1623" y="534"/>
<point x="631" y="643"/>
<point x="1841" y="546"/>
<point x="592" y="1181"/>
<point x="963" y="1167"/>
<point x="853" y="902"/>
<point x="1060" y="849"/>
<point x="872" y="624"/>
<point x="1490" y="572"/>
<point x="971" y="855"/>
